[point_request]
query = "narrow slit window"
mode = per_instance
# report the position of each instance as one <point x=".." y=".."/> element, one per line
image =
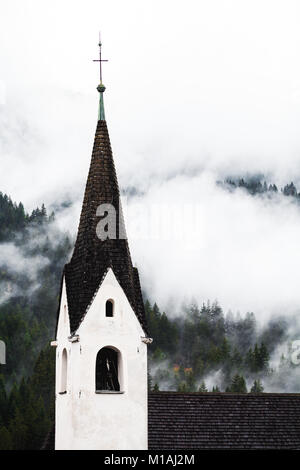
<point x="64" y="372"/>
<point x="65" y="314"/>
<point x="109" y="308"/>
<point x="107" y="370"/>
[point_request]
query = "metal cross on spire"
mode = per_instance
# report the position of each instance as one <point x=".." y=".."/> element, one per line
<point x="100" y="87"/>
<point x="100" y="60"/>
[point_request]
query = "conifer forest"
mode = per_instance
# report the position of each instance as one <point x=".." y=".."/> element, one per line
<point x="197" y="348"/>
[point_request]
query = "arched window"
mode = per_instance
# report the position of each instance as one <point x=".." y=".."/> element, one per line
<point x="109" y="308"/>
<point x="64" y="372"/>
<point x="107" y="370"/>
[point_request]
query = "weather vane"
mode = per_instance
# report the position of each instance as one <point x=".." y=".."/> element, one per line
<point x="100" y="60"/>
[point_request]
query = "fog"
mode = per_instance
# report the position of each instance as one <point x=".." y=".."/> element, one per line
<point x="195" y="92"/>
<point x="207" y="243"/>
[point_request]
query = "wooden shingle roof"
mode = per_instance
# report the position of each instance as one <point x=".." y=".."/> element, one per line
<point x="223" y="421"/>
<point x="92" y="257"/>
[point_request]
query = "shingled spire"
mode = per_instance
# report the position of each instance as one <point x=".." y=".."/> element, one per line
<point x="92" y="257"/>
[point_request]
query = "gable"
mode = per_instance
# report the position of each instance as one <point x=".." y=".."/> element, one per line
<point x="77" y="315"/>
<point x="95" y="317"/>
<point x="63" y="320"/>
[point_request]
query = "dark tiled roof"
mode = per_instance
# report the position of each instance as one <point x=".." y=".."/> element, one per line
<point x="92" y="257"/>
<point x="223" y="421"/>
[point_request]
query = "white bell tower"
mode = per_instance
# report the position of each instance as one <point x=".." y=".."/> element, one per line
<point x="101" y="336"/>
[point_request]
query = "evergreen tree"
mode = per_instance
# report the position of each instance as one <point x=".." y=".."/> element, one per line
<point x="290" y="190"/>
<point x="238" y="385"/>
<point x="225" y="349"/>
<point x="149" y="381"/>
<point x="263" y="357"/>
<point x="182" y="387"/>
<point x="19" y="431"/>
<point x="257" y="387"/>
<point x="236" y="359"/>
<point x="5" y="439"/>
<point x="202" y="388"/>
<point x="3" y="401"/>
<point x="190" y="380"/>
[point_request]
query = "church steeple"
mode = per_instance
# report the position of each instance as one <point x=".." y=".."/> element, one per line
<point x="101" y="336"/>
<point x="92" y="256"/>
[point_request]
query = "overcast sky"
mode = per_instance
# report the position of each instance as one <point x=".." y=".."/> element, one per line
<point x="196" y="91"/>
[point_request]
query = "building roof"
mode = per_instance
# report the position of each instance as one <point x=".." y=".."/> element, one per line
<point x="220" y="421"/>
<point x="223" y="421"/>
<point x="92" y="257"/>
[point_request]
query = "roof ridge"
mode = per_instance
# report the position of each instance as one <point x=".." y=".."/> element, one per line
<point x="171" y="392"/>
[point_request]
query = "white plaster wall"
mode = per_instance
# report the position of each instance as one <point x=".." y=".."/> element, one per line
<point x="63" y="403"/>
<point x="84" y="419"/>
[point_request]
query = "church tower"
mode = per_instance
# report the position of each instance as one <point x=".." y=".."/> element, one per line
<point x="101" y="335"/>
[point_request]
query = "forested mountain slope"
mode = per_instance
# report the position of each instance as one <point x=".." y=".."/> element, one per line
<point x="196" y="348"/>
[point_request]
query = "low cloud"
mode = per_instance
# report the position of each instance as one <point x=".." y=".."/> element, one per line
<point x="239" y="249"/>
<point x="15" y="260"/>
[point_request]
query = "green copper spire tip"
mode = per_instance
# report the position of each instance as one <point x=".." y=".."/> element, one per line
<point x="101" y="113"/>
<point x="101" y="88"/>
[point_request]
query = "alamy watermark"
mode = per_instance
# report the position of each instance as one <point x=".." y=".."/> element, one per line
<point x="164" y="222"/>
<point x="295" y="352"/>
<point x="2" y="352"/>
<point x="109" y="222"/>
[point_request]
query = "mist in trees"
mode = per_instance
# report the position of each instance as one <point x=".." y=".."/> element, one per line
<point x="200" y="349"/>
<point x="202" y="343"/>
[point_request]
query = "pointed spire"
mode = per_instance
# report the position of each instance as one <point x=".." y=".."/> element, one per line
<point x="100" y="87"/>
<point x="92" y="256"/>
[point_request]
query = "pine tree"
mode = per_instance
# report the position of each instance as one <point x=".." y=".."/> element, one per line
<point x="39" y="425"/>
<point x="257" y="387"/>
<point x="202" y="388"/>
<point x="149" y="381"/>
<point x="263" y="357"/>
<point x="190" y="380"/>
<point x="182" y="387"/>
<point x="13" y="402"/>
<point x="3" y="401"/>
<point x="19" y="431"/>
<point x="225" y="349"/>
<point x="238" y="385"/>
<point x="5" y="439"/>
<point x="236" y="359"/>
